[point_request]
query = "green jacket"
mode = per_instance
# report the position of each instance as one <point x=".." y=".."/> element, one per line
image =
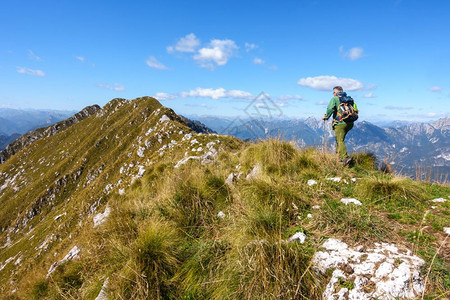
<point x="332" y="110"/>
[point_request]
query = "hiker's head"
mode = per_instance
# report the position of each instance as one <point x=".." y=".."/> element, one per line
<point x="337" y="89"/>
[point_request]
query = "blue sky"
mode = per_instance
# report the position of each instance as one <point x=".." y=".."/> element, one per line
<point x="215" y="57"/>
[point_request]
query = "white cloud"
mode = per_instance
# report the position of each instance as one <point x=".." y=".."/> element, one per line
<point x="216" y="93"/>
<point x="165" y="96"/>
<point x="258" y="61"/>
<point x="218" y="52"/>
<point x="326" y="83"/>
<point x="189" y="43"/>
<point x="238" y="94"/>
<point x="23" y="70"/>
<point x="80" y="58"/>
<point x="289" y="97"/>
<point x="353" y="54"/>
<point x="208" y="93"/>
<point x="392" y="107"/>
<point x="249" y="47"/>
<point x="280" y="104"/>
<point x="436" y="89"/>
<point x="321" y="103"/>
<point x="33" y="56"/>
<point x="273" y="68"/>
<point x="116" y="87"/>
<point x="369" y="95"/>
<point x="152" y="62"/>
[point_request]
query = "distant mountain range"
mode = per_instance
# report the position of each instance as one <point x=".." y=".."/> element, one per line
<point x="132" y="201"/>
<point x="413" y="149"/>
<point x="15" y="122"/>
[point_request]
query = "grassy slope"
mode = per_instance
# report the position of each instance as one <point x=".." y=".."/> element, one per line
<point x="163" y="238"/>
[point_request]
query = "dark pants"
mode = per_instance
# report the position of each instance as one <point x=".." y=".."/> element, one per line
<point x="341" y="131"/>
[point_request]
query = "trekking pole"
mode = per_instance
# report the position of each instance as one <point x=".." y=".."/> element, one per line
<point x="324" y="137"/>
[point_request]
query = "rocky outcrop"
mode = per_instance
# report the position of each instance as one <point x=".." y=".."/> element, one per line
<point x="197" y="126"/>
<point x="37" y="134"/>
<point x="383" y="272"/>
<point x="5" y="140"/>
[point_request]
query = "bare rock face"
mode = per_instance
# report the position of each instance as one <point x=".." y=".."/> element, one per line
<point x="37" y="134"/>
<point x="73" y="254"/>
<point x="195" y="125"/>
<point x="384" y="272"/>
<point x="103" y="295"/>
<point x="100" y="218"/>
<point x="256" y="171"/>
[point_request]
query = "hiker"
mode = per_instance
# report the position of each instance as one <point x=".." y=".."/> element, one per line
<point x="344" y="114"/>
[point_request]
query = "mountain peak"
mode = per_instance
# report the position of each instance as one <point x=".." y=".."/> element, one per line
<point x="133" y="203"/>
<point x="442" y="124"/>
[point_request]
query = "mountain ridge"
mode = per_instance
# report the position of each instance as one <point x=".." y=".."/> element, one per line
<point x="32" y="136"/>
<point x="21" y="121"/>
<point x="385" y="142"/>
<point x="132" y="203"/>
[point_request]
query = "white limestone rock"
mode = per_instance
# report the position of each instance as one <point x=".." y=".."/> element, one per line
<point x="103" y="295"/>
<point x="392" y="273"/>
<point x="230" y="179"/>
<point x="334" y="179"/>
<point x="298" y="237"/>
<point x="140" y="151"/>
<point x="185" y="160"/>
<point x="100" y="218"/>
<point x="221" y="215"/>
<point x="256" y="171"/>
<point x="48" y="240"/>
<point x="2" y="266"/>
<point x="163" y="119"/>
<point x="439" y="200"/>
<point x="187" y="137"/>
<point x="312" y="182"/>
<point x="7" y="243"/>
<point x="74" y="253"/>
<point x="206" y="158"/>
<point x="141" y="171"/>
<point x="347" y="201"/>
<point x="61" y="215"/>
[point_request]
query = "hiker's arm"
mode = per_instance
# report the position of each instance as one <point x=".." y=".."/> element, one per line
<point x="330" y="109"/>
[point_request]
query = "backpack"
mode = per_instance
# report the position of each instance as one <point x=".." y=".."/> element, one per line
<point x="347" y="110"/>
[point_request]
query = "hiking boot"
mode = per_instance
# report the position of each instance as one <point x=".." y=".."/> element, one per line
<point x="347" y="162"/>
